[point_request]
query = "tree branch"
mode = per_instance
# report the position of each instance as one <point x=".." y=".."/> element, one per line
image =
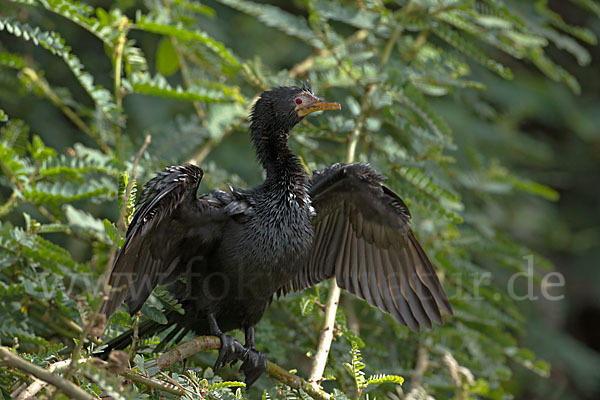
<point x="204" y="343"/>
<point x="70" y="389"/>
<point x="320" y="358"/>
<point x="151" y="383"/>
<point x="416" y="375"/>
<point x="28" y="392"/>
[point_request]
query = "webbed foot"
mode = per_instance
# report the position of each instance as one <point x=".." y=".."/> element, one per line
<point x="253" y="366"/>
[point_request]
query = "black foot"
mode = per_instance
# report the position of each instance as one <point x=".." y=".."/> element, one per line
<point x="255" y="363"/>
<point x="231" y="350"/>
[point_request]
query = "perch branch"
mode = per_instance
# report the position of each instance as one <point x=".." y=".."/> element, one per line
<point x="204" y="343"/>
<point x="69" y="389"/>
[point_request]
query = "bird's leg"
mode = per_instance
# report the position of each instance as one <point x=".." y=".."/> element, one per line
<point x="249" y="333"/>
<point x="230" y="351"/>
<point x="254" y="362"/>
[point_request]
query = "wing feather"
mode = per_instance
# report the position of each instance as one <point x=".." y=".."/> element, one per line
<point x="374" y="261"/>
<point x="362" y="237"/>
<point x="363" y="275"/>
<point x="165" y="225"/>
<point x="354" y="271"/>
<point x="343" y="258"/>
<point x="402" y="314"/>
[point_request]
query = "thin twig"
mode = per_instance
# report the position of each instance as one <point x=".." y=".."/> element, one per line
<point x="389" y="46"/>
<point x="305" y="65"/>
<point x="421" y="366"/>
<point x="40" y="82"/>
<point x="69" y="389"/>
<point x="119" y="48"/>
<point x="152" y="383"/>
<point x="29" y="392"/>
<point x="204" y="150"/>
<point x="185" y="73"/>
<point x="135" y="337"/>
<point x="123" y="29"/>
<point x="204" y="343"/>
<point x="11" y="203"/>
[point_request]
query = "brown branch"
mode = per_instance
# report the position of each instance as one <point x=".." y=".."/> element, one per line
<point x="11" y="203"/>
<point x="204" y="343"/>
<point x="151" y="383"/>
<point x="29" y="392"/>
<point x="69" y="389"/>
<point x="326" y="337"/>
<point x="204" y="150"/>
<point x="421" y="366"/>
<point x="305" y="65"/>
<point x="40" y="82"/>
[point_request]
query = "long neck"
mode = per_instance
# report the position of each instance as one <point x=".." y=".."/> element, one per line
<point x="278" y="160"/>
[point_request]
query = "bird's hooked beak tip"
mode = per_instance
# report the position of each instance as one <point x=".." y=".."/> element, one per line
<point x="318" y="105"/>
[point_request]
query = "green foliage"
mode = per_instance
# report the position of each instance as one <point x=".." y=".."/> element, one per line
<point x="355" y="368"/>
<point x="150" y="24"/>
<point x="54" y="43"/>
<point x="159" y="86"/>
<point x="405" y="72"/>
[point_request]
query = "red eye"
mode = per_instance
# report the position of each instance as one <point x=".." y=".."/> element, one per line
<point x="298" y="101"/>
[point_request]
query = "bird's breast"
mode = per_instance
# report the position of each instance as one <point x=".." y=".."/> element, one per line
<point x="274" y="240"/>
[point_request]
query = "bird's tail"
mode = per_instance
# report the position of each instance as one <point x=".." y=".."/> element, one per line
<point x="145" y="330"/>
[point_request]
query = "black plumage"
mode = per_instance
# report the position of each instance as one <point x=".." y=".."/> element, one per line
<point x="224" y="255"/>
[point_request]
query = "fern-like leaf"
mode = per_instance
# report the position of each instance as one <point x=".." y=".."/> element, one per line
<point x="11" y="60"/>
<point x="166" y="298"/>
<point x="277" y="18"/>
<point x="355" y="367"/>
<point x="591" y="5"/>
<point x="383" y="378"/>
<point x="159" y="86"/>
<point x="62" y="192"/>
<point x="54" y="43"/>
<point x="466" y="47"/>
<point x="224" y="385"/>
<point x="413" y="99"/>
<point x="150" y="24"/>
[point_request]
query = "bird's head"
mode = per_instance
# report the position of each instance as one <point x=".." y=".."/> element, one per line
<point x="278" y="110"/>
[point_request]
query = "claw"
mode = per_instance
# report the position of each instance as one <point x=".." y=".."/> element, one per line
<point x="255" y="363"/>
<point x="230" y="352"/>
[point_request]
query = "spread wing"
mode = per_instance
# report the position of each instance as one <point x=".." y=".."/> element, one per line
<point x="362" y="237"/>
<point x="170" y="225"/>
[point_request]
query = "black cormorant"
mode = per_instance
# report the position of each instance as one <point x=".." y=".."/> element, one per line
<point x="224" y="255"/>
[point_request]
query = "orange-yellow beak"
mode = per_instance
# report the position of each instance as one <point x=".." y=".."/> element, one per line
<point x="316" y="105"/>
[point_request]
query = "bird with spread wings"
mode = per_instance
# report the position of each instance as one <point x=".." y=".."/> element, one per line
<point x="225" y="254"/>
